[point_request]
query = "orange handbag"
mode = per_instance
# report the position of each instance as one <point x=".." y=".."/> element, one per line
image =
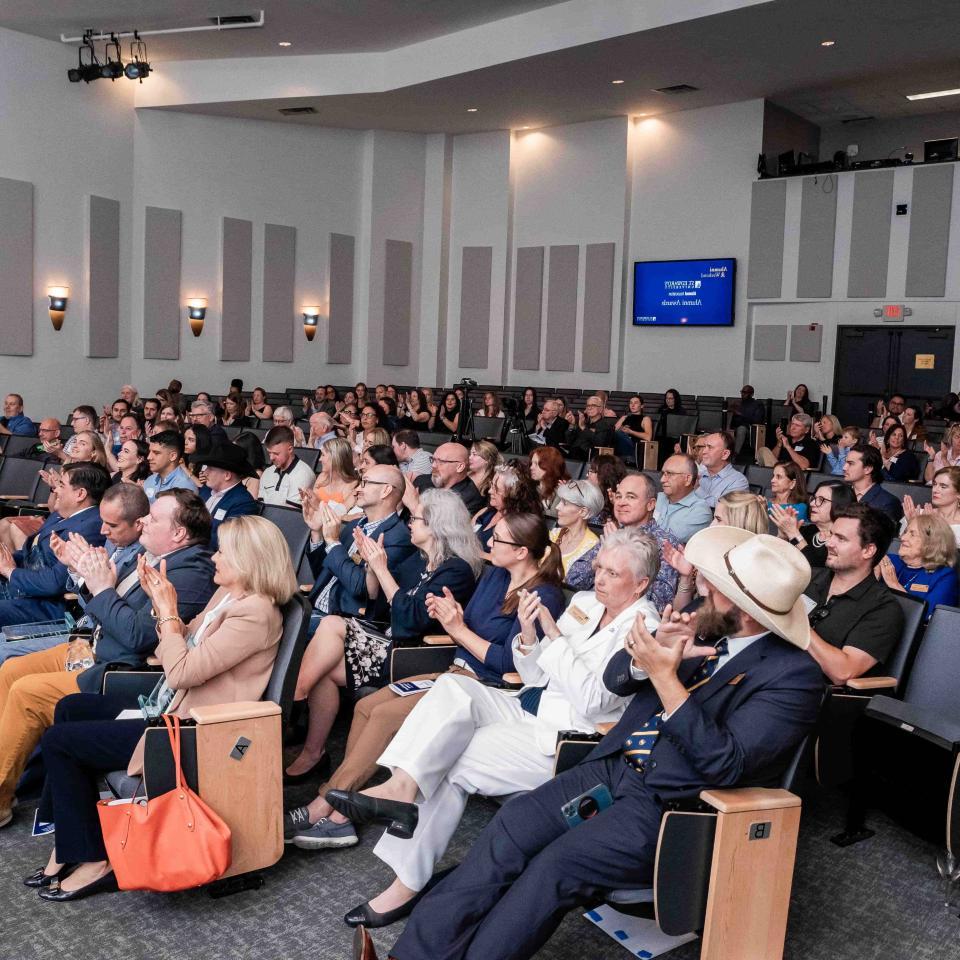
<point x="171" y="842"/>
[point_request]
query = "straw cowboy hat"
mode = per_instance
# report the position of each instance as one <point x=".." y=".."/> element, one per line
<point x="763" y="575"/>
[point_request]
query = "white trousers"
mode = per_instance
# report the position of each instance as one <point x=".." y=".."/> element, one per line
<point x="461" y="738"/>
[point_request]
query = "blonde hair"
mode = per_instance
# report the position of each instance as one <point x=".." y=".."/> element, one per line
<point x="377" y="437"/>
<point x="938" y="544"/>
<point x="341" y="458"/>
<point x="746" y="511"/>
<point x="258" y="550"/>
<point x="834" y="423"/>
<point x="490" y="455"/>
<point x="99" y="451"/>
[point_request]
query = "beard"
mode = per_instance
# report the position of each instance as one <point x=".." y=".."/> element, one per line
<point x="712" y="624"/>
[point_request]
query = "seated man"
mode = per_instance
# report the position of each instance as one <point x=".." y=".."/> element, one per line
<point x="287" y="475"/>
<point x="202" y="412"/>
<point x="48" y="446"/>
<point x="551" y="425"/>
<point x="748" y="413"/>
<point x="413" y="459"/>
<point x="283" y="417"/>
<point x="34" y="580"/>
<point x="855" y="619"/>
<point x="688" y="728"/>
<point x="679" y="509"/>
<point x="321" y="430"/>
<point x="449" y="471"/>
<point x="341" y="585"/>
<point x="717" y="474"/>
<point x="863" y="470"/>
<point x="589" y="429"/>
<point x="176" y="530"/>
<point x="224" y="492"/>
<point x="13" y="422"/>
<point x="794" y="445"/>
<point x="166" y="473"/>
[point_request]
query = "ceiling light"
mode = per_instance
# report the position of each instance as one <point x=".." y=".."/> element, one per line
<point x="827" y="43"/>
<point x="932" y="94"/>
<point x="137" y="68"/>
<point x="525" y="128"/>
<point x="471" y="109"/>
<point x="618" y="81"/>
<point x="284" y="43"/>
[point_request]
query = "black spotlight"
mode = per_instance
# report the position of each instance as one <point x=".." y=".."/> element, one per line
<point x="112" y="69"/>
<point x="137" y="68"/>
<point x="87" y="69"/>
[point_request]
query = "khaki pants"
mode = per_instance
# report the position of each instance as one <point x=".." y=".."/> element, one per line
<point x="31" y="686"/>
<point x="766" y="458"/>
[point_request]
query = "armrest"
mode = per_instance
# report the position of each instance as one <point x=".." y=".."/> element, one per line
<point x="14" y="496"/>
<point x="438" y="640"/>
<point x="872" y="683"/>
<point x="926" y="723"/>
<point x="244" y="710"/>
<point x="744" y="799"/>
<point x="305" y="588"/>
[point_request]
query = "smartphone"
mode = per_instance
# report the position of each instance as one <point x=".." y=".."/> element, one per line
<point x="783" y="424"/>
<point x="587" y="805"/>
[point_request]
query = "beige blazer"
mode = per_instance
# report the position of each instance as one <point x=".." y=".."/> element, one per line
<point x="232" y="662"/>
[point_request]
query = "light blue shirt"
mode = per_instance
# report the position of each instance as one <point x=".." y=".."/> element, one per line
<point x="683" y="518"/>
<point x="714" y="485"/>
<point x="177" y="479"/>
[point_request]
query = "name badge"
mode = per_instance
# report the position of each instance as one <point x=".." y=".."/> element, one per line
<point x="920" y="587"/>
<point x="219" y="514"/>
<point x="735" y="680"/>
<point x="578" y="614"/>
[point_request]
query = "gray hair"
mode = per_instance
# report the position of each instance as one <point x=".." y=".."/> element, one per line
<point x="650" y="485"/>
<point x="582" y="493"/>
<point x="803" y="418"/>
<point x="285" y="413"/>
<point x="201" y="406"/>
<point x="449" y="523"/>
<point x="641" y="551"/>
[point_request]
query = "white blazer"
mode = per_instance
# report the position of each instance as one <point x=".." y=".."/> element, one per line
<point x="572" y="665"/>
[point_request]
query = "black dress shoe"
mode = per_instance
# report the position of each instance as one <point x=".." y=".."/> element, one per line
<point x="366" y="916"/>
<point x="106" y="884"/>
<point x="41" y="879"/>
<point x="400" y="818"/>
<point x="321" y="768"/>
<point x="363" y="948"/>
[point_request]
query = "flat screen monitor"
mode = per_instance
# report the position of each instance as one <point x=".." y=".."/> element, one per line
<point x="936" y="151"/>
<point x="684" y="293"/>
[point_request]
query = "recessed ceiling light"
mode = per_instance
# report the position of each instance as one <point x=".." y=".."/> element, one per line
<point x="618" y="81"/>
<point x="932" y="94"/>
<point x="526" y="127"/>
<point x="471" y="109"/>
<point x="284" y="43"/>
<point x="827" y="43"/>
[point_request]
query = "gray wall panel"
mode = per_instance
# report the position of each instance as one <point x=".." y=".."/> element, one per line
<point x="527" y="309"/>
<point x="818" y="224"/>
<point x="768" y="210"/>
<point x="805" y="344"/>
<point x="476" y="272"/>
<point x="929" y="231"/>
<point x="16" y="268"/>
<point x="279" y="286"/>
<point x="162" y="314"/>
<point x="562" y="307"/>
<point x="236" y="285"/>
<point x="397" y="302"/>
<point x="770" y="341"/>
<point x="103" y="277"/>
<point x="870" y="233"/>
<point x="340" y="327"/>
<point x="598" y="277"/>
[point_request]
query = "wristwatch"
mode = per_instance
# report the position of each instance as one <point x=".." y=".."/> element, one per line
<point x="797" y="541"/>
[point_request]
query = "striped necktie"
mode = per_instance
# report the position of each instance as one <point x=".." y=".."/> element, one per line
<point x="639" y="745"/>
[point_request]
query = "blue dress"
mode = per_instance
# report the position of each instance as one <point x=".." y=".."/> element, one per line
<point x="803" y="510"/>
<point x="935" y="586"/>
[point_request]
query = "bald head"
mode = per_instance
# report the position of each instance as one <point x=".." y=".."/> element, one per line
<point x="449" y="465"/>
<point x="380" y="491"/>
<point x="49" y="429"/>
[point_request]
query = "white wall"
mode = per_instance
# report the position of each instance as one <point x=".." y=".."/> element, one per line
<point x="70" y="141"/>
<point x="878" y="139"/>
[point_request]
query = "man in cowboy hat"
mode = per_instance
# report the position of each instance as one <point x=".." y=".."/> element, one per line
<point x="731" y="718"/>
<point x="224" y="493"/>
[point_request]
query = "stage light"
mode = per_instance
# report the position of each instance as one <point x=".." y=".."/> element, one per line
<point x="58" y="304"/>
<point x="138" y="67"/>
<point x="112" y="69"/>
<point x="86" y="70"/>
<point x="196" y="312"/>
<point x="311" y="317"/>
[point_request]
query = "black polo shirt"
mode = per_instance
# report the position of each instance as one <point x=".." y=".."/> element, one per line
<point x="466" y="490"/>
<point x="867" y="616"/>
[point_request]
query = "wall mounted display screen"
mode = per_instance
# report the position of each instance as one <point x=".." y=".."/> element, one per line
<point x="684" y="293"/>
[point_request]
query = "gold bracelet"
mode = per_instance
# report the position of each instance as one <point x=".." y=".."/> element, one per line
<point x="164" y="620"/>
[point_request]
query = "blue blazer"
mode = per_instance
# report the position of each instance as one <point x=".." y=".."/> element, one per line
<point x="883" y="500"/>
<point x="739" y="729"/>
<point x="349" y="595"/>
<point x="236" y="502"/>
<point x="129" y="629"/>
<point x="39" y="574"/>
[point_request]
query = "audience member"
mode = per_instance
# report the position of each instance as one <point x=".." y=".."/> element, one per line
<point x="548" y="469"/>
<point x="483" y="460"/>
<point x="577" y="503"/>
<point x="322" y="429"/>
<point x="799" y="399"/>
<point x="14" y="421"/>
<point x="588" y="429"/>
<point x="925" y="565"/>
<point x="944" y="500"/>
<point x="374" y="453"/>
<point x="337" y="483"/>
<point x="679" y="509"/>
<point x="863" y="470"/>
<point x="947" y="456"/>
<point x="445" y="418"/>
<point x="529" y="410"/>
<point x="258" y="406"/>
<point x="415" y="414"/>
<point x="746" y="414"/>
<point x="110" y="424"/>
<point x="449" y="471"/>
<point x="166" y="471"/>
<point x="197" y="443"/>
<point x="899" y="464"/>
<point x="788" y="490"/>
<point x="413" y="459"/>
<point x="606" y="471"/>
<point x="912" y="420"/>
<point x="48" y="445"/>
<point x="811" y="538"/>
<point x="632" y="427"/>
<point x="283" y="417"/>
<point x="511" y="491"/>
<point x="233" y="415"/>
<point x="202" y="413"/>
<point x="490" y="407"/>
<point x="717" y="474"/>
<point x="224" y="494"/>
<point x="793" y="446"/>
<point x="893" y="408"/>
<point x="551" y="425"/>
<point x="252" y="448"/>
<point x="287" y="474"/>
<point x="132" y="465"/>
<point x="836" y="453"/>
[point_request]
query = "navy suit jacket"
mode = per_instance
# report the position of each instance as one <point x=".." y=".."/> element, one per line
<point x="349" y="594"/>
<point x="883" y="500"/>
<point x="236" y="502"/>
<point x="129" y="630"/>
<point x="739" y="729"/>
<point x="39" y="574"/>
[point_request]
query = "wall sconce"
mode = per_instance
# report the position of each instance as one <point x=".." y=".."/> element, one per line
<point x="196" y="311"/>
<point x="58" y="304"/>
<point x="310" y="317"/>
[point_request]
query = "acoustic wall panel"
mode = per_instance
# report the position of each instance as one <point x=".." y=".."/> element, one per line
<point x="929" y="231"/>
<point x="103" y="278"/>
<point x="279" y="284"/>
<point x="598" y="278"/>
<point x="161" y="284"/>
<point x="870" y="233"/>
<point x="476" y="272"/>
<point x="340" y="327"/>
<point x="805" y="342"/>
<point x="818" y="223"/>
<point x="770" y="342"/>
<point x="397" y="302"/>
<point x="16" y="268"/>
<point x="236" y="284"/>
<point x="527" y="308"/>
<point x="562" y="307"/>
<point x="768" y="210"/>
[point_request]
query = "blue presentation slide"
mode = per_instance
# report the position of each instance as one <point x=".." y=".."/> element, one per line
<point x="676" y="293"/>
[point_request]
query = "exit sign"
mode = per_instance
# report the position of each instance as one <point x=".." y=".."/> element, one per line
<point x="893" y="312"/>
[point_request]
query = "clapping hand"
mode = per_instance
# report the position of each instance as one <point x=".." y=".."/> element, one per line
<point x="676" y="558"/>
<point x="610" y="526"/>
<point x="330" y="523"/>
<point x="157" y="587"/>
<point x="310" y="506"/>
<point x="371" y="551"/>
<point x="888" y="574"/>
<point x="7" y="563"/>
<point x="785" y="520"/>
<point x="910" y="509"/>
<point x="780" y="434"/>
<point x="445" y="610"/>
<point x="570" y="418"/>
<point x="825" y="448"/>
<point x="99" y="572"/>
<point x="68" y="552"/>
<point x="528" y="611"/>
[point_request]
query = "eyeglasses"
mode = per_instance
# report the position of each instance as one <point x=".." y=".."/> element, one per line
<point x="379" y="483"/>
<point x="675" y="473"/>
<point x="412" y="518"/>
<point x="820" y="501"/>
<point x="441" y="460"/>
<point x="369" y="414"/>
<point x="509" y="543"/>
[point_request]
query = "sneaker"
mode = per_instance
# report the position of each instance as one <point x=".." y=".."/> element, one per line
<point x="325" y="833"/>
<point x="294" y="821"/>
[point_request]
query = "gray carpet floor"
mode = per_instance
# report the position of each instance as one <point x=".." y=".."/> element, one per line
<point x="878" y="900"/>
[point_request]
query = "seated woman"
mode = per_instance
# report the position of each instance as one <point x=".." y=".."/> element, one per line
<point x="511" y="491"/>
<point x="578" y="501"/>
<point x="548" y="469"/>
<point x="925" y="566"/>
<point x="633" y="426"/>
<point x="484" y="459"/>
<point x="944" y="501"/>
<point x="523" y="558"/>
<point x="337" y="482"/>
<point x="258" y="406"/>
<point x="811" y="538"/>
<point x="346" y="652"/>
<point x="196" y="440"/>
<point x="899" y="464"/>
<point x="132" y="462"/>
<point x="224" y="655"/>
<point x="606" y="471"/>
<point x="465" y="738"/>
<point x="788" y="489"/>
<point x="233" y="415"/>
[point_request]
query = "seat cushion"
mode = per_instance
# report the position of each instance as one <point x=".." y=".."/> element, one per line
<point x="122" y="785"/>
